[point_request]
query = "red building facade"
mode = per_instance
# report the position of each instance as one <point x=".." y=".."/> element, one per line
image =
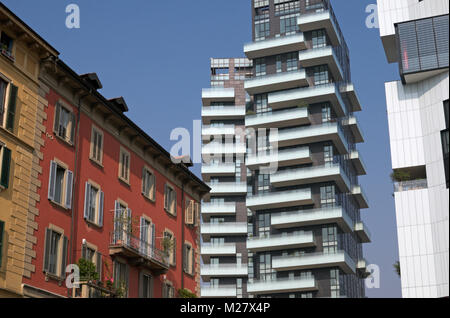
<point x="111" y="200"/>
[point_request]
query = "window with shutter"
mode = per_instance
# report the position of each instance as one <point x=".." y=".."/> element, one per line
<point x="3" y="88"/>
<point x="60" y="185"/>
<point x="124" y="165"/>
<point x="64" y="126"/>
<point x="11" y="108"/>
<point x="5" y="166"/>
<point x="2" y="237"/>
<point x="148" y="184"/>
<point x="96" y="145"/>
<point x="190" y="211"/>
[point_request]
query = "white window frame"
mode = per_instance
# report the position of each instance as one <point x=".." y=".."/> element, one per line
<point x="67" y="187"/>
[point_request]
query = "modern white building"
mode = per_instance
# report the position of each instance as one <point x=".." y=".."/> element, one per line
<point x="415" y="35"/>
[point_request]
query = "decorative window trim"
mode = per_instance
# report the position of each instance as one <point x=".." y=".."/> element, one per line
<point x="91" y="152"/>
<point x="122" y="178"/>
<point x="189" y="259"/>
<point x="62" y="254"/>
<point x="152" y="193"/>
<point x="173" y="252"/>
<point x="67" y="182"/>
<point x="70" y="140"/>
<point x="166" y="200"/>
<point x="100" y="204"/>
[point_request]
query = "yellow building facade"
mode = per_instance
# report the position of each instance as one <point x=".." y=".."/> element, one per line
<point x="21" y="117"/>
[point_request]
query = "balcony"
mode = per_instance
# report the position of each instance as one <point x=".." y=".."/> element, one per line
<point x="280" y="242"/>
<point x="224" y="249"/>
<point x="312" y="217"/>
<point x="88" y="289"/>
<point x="276" y="82"/>
<point x="223" y="270"/>
<point x="222" y="113"/>
<point x="352" y="123"/>
<point x="138" y="252"/>
<point x="411" y="185"/>
<point x="361" y="268"/>
<point x="218" y="170"/>
<point x="228" y="188"/>
<point x="349" y="91"/>
<point x="311" y="134"/>
<point x="212" y="209"/>
<point x="315" y="174"/>
<point x="279" y="119"/>
<point x="321" y="20"/>
<point x="282" y="158"/>
<point x="225" y="228"/>
<point x="217" y="94"/>
<point x="214" y="148"/>
<point x="321" y="56"/>
<point x="220" y="291"/>
<point x="363" y="232"/>
<point x="315" y="260"/>
<point x="210" y="131"/>
<point x="282" y="285"/>
<point x="358" y="163"/>
<point x="360" y="197"/>
<point x="274" y="200"/>
<point x="309" y="95"/>
<point x="275" y="46"/>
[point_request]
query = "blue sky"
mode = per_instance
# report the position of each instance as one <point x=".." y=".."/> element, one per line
<point x="156" y="54"/>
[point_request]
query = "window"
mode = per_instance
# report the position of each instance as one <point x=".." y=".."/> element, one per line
<point x="265" y="267"/>
<point x="148" y="184"/>
<point x="64" y="126"/>
<point x="60" y="185"/>
<point x="239" y="288"/>
<point x="288" y="24"/>
<point x="264" y="224"/>
<point x="287" y="7"/>
<point x="279" y="64"/>
<point x="122" y="223"/>
<point x="190" y="213"/>
<point x="445" y="142"/>
<point x="91" y="254"/>
<point x="314" y="4"/>
<point x="146" y="283"/>
<point x="2" y="237"/>
<point x="328" y="154"/>
<point x="319" y="39"/>
<point x="93" y="204"/>
<point x="261" y="103"/>
<point x="320" y="74"/>
<point x="97" y="145"/>
<point x="148" y="237"/>
<point x="327" y="196"/>
<point x="334" y="283"/>
<point x="6" y="45"/>
<point x="262" y="29"/>
<point x="8" y="102"/>
<point x="292" y="62"/>
<point x="170" y="200"/>
<point x="329" y="239"/>
<point x="168" y="290"/>
<point x="5" y="166"/>
<point x="260" y="67"/>
<point x="188" y="259"/>
<point x="124" y="165"/>
<point x="55" y="253"/>
<point x="173" y="250"/>
<point x="326" y="113"/>
<point x="121" y="276"/>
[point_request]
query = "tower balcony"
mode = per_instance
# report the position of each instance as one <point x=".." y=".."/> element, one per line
<point x="228" y="188"/>
<point x="274" y="200"/>
<point x="279" y="119"/>
<point x="358" y="163"/>
<point x="210" y="131"/>
<point x="275" y="46"/>
<point x="220" y="291"/>
<point x="282" y="158"/>
<point x="280" y="242"/>
<point x="360" y="197"/>
<point x="217" y="94"/>
<point x="223" y="270"/>
<point x="214" y="148"/>
<point x="352" y="123"/>
<point x="222" y="113"/>
<point x="223" y="249"/>
<point x="312" y="134"/>
<point x="348" y="90"/>
<point x="282" y="285"/>
<point x="334" y="215"/>
<point x="321" y="56"/>
<point x="224" y="228"/>
<point x="363" y="232"/>
<point x="212" y="209"/>
<point x="321" y="20"/>
<point x="309" y="95"/>
<point x="315" y="174"/>
<point x="276" y="82"/>
<point x="218" y="170"/>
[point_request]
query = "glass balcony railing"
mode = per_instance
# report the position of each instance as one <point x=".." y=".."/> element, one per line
<point x="220" y="291"/>
<point x="219" y="208"/>
<point x="411" y="185"/>
<point x="221" y="270"/>
<point x="280" y="199"/>
<point x="279" y="285"/>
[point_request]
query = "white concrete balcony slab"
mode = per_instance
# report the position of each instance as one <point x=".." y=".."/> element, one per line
<point x="352" y="123"/>
<point x="279" y="119"/>
<point x="280" y="199"/>
<point x="281" y="242"/>
<point x="361" y="268"/>
<point x="282" y="285"/>
<point x="276" y="82"/>
<point x="315" y="174"/>
<point x="224" y="249"/>
<point x="311" y="134"/>
<point x="223" y="148"/>
<point x="218" y="209"/>
<point x="309" y="95"/>
<point x="210" y="131"/>
<point x="283" y="158"/>
<point x="349" y="91"/>
<point x="334" y="215"/>
<point x="360" y="197"/>
<point x="218" y="170"/>
<point x="358" y="163"/>
<point x="228" y="188"/>
<point x="315" y="260"/>
<point x="220" y="291"/>
<point x="222" y="113"/>
<point x="363" y="232"/>
<point x="225" y="228"/>
<point x="275" y="46"/>
<point x="223" y="270"/>
<point x="217" y="94"/>
<point x="321" y="56"/>
<point x="320" y="20"/>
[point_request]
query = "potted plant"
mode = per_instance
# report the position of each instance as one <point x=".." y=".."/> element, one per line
<point x="185" y="293"/>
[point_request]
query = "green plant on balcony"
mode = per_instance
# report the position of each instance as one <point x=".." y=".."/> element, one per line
<point x="185" y="293"/>
<point x="399" y="176"/>
<point x="121" y="290"/>
<point x="88" y="270"/>
<point x="167" y="245"/>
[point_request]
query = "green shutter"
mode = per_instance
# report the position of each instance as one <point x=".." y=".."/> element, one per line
<point x="11" y="108"/>
<point x="5" y="168"/>
<point x="2" y="230"/>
